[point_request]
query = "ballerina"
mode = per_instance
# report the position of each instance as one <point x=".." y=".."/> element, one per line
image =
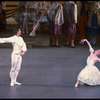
<point x="90" y="75"/>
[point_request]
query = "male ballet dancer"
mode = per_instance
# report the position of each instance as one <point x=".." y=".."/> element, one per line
<point x="19" y="49"/>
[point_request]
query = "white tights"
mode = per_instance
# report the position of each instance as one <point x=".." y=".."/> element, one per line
<point x="15" y="67"/>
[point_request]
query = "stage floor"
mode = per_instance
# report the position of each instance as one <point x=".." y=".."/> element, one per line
<point x="47" y="72"/>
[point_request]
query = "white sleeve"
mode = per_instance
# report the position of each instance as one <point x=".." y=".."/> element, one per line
<point x="1" y="40"/>
<point x="7" y="40"/>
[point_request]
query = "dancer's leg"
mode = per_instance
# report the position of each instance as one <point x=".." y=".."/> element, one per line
<point x="76" y="85"/>
<point x="53" y="40"/>
<point x="56" y="40"/>
<point x="35" y="28"/>
<point x="13" y="66"/>
<point x="18" y="67"/>
<point x="68" y="39"/>
<point x="72" y="41"/>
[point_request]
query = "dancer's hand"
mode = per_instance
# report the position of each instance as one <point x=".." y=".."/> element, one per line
<point x="83" y="40"/>
<point x="22" y="53"/>
<point x="91" y="50"/>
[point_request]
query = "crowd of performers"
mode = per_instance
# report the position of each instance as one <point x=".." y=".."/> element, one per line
<point x="61" y="18"/>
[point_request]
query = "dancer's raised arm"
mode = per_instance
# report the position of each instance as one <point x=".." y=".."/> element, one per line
<point x="91" y="49"/>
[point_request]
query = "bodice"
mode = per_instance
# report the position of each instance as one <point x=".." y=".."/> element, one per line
<point x="90" y="62"/>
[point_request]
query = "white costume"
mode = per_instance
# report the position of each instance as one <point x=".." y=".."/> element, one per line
<point x="90" y="74"/>
<point x="18" y="46"/>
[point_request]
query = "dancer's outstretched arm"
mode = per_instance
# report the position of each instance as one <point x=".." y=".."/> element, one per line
<point x="90" y="47"/>
<point x="7" y="40"/>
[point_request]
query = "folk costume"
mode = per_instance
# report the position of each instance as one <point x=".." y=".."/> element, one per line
<point x="83" y="18"/>
<point x="56" y="21"/>
<point x="71" y="20"/>
<point x="92" y="25"/>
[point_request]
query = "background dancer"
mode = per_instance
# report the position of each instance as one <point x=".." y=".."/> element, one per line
<point x="70" y="22"/>
<point x="56" y="21"/>
<point x="41" y="17"/>
<point x="92" y="24"/>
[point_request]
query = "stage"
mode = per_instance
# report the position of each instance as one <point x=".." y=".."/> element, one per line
<point x="47" y="72"/>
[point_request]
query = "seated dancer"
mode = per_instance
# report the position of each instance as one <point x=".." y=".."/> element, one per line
<point x="19" y="49"/>
<point x="20" y="18"/>
<point x="41" y="17"/>
<point x="90" y="75"/>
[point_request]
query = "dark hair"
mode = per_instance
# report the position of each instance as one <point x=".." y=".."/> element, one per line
<point x="16" y="29"/>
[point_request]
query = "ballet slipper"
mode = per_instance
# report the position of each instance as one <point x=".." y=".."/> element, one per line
<point x="12" y="83"/>
<point x="76" y="85"/>
<point x="17" y="83"/>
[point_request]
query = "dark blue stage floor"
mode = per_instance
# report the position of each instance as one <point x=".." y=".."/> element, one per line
<point x="47" y="72"/>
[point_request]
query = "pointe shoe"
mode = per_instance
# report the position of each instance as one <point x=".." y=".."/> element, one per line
<point x="12" y="83"/>
<point x="17" y="83"/>
<point x="76" y="85"/>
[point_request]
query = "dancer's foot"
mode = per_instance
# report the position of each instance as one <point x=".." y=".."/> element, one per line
<point x="76" y="85"/>
<point x="30" y="34"/>
<point x="17" y="83"/>
<point x="12" y="83"/>
<point x="72" y="45"/>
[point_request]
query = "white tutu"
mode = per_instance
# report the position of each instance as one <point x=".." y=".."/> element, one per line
<point x="90" y="74"/>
